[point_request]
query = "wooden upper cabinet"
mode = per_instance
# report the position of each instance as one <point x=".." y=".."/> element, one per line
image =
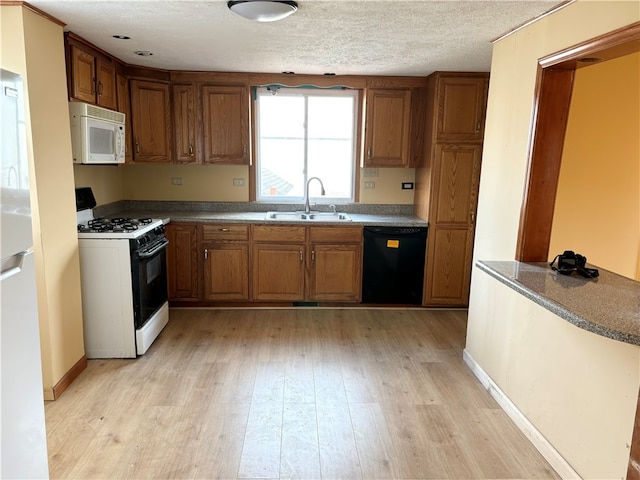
<point x="83" y="75"/>
<point x="106" y="87"/>
<point x="123" y="97"/>
<point x="388" y="119"/>
<point x="225" y="120"/>
<point x="93" y="77"/>
<point x="184" y="123"/>
<point x="151" y="121"/>
<point x="461" y="108"/>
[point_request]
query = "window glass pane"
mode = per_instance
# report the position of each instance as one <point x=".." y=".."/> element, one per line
<point x="304" y="133"/>
<point x="281" y="144"/>
<point x="330" y="137"/>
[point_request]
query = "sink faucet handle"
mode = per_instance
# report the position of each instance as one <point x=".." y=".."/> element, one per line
<point x="332" y="208"/>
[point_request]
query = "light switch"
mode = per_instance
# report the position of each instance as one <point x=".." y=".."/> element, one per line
<point x="238" y="182"/>
<point x="176" y="180"/>
<point x="369" y="184"/>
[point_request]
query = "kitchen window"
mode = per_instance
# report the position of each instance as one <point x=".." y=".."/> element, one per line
<point x="304" y="133"/>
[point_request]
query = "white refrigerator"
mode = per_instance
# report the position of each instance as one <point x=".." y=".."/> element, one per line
<point x="23" y="443"/>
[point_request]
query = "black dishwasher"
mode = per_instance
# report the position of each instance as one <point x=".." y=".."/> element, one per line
<point x="393" y="270"/>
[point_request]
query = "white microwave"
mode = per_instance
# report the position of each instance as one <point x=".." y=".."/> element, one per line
<point x="97" y="134"/>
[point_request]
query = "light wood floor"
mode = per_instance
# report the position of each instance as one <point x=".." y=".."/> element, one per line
<point x="284" y="394"/>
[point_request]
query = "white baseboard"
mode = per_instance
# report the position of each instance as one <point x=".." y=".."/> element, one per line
<point x="551" y="455"/>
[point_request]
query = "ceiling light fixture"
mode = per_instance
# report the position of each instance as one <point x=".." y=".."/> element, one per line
<point x="263" y="10"/>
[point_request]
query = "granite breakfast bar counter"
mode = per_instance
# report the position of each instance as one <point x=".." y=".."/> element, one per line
<point x="561" y="355"/>
<point x="608" y="305"/>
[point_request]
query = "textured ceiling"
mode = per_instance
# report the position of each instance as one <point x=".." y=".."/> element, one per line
<point x="360" y="37"/>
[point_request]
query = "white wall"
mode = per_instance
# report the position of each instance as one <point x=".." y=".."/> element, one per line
<point x="578" y="389"/>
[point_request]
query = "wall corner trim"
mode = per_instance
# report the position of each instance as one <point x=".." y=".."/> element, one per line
<point x="548" y="451"/>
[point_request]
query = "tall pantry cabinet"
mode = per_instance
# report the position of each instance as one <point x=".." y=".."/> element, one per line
<point x="447" y="184"/>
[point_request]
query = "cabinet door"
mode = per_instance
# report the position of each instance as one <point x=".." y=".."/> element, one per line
<point x="226" y="271"/>
<point x="452" y="224"/>
<point x="182" y="262"/>
<point x="124" y="105"/>
<point x="151" y="113"/>
<point x="106" y="83"/>
<point x="461" y="108"/>
<point x="335" y="273"/>
<point x="225" y="117"/>
<point x="184" y="121"/>
<point x="83" y="75"/>
<point x="278" y="271"/>
<point x="387" y="127"/>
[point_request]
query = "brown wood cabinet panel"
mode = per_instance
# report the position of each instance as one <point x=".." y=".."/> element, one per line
<point x="461" y="108"/>
<point x="335" y="273"/>
<point x="226" y="271"/>
<point x="182" y="262"/>
<point x="106" y="83"/>
<point x="337" y="234"/>
<point x="83" y="75"/>
<point x="448" y="266"/>
<point x="280" y="234"/>
<point x="225" y="119"/>
<point x="151" y="121"/>
<point x="124" y="105"/>
<point x="278" y="271"/>
<point x="226" y="232"/>
<point x="388" y="119"/>
<point x="184" y="122"/>
<point x="456" y="177"/>
<point x="454" y="198"/>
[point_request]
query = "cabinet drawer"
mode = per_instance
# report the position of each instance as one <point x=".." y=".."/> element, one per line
<point x="278" y="234"/>
<point x="211" y="233"/>
<point x="335" y="234"/>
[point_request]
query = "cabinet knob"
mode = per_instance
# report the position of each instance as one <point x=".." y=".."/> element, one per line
<point x="313" y="256"/>
<point x="369" y="154"/>
<point x="473" y="218"/>
<point x="137" y="147"/>
<point x="301" y="257"/>
<point x="222" y="229"/>
<point x="93" y="86"/>
<point x="206" y="253"/>
<point x="244" y="151"/>
<point x="479" y="124"/>
<point x="191" y="150"/>
<point x="100" y="88"/>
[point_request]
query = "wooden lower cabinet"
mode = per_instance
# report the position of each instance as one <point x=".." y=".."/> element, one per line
<point x="226" y="262"/>
<point x="307" y="263"/>
<point x="182" y="261"/>
<point x="264" y="263"/>
<point x="335" y="264"/>
<point x="278" y="272"/>
<point x="335" y="273"/>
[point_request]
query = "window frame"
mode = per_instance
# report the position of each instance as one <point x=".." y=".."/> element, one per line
<point x="358" y="95"/>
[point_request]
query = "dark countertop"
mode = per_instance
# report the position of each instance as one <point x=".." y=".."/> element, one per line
<point x="608" y="305"/>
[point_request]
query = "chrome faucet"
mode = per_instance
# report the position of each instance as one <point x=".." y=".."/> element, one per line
<point x="307" y="208"/>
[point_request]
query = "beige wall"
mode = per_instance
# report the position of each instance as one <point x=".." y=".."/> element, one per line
<point x="527" y="351"/>
<point x="212" y="183"/>
<point x="597" y="210"/>
<point x="33" y="46"/>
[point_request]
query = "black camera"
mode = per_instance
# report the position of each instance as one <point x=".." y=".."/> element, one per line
<point x="569" y="262"/>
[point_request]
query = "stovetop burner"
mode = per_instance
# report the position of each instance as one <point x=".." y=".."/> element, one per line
<point x="113" y="225"/>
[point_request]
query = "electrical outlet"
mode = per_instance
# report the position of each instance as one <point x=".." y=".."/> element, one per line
<point x="369" y="184"/>
<point x="176" y="180"/>
<point x="238" y="182"/>
<point x="370" y="173"/>
<point x="407" y="185"/>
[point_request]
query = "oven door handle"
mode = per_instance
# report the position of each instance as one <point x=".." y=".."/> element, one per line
<point x="150" y="253"/>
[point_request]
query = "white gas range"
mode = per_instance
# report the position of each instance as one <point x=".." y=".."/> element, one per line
<point x="123" y="273"/>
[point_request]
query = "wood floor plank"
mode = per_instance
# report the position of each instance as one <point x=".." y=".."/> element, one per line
<point x="304" y="393"/>
<point x="300" y="458"/>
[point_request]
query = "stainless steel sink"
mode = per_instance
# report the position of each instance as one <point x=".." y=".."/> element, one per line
<point x="308" y="217"/>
